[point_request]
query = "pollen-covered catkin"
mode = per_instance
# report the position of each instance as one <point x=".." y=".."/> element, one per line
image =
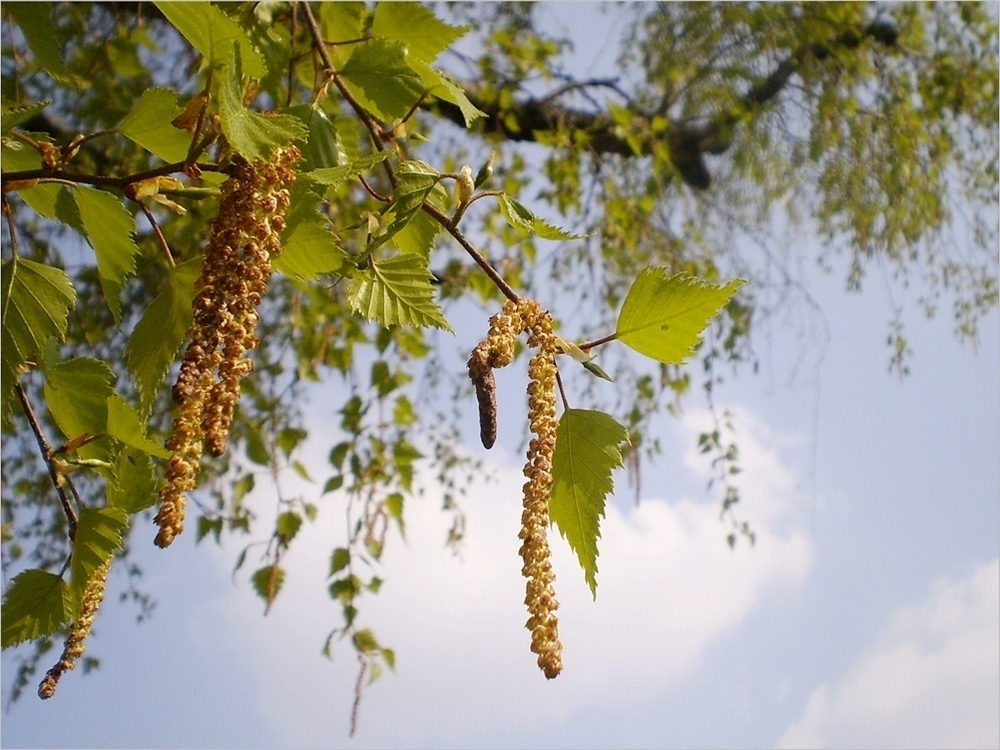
<point x="243" y="239"/>
<point x="93" y="595"/>
<point x="540" y="595"/>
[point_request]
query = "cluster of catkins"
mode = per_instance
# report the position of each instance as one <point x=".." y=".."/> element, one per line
<point x="93" y="595"/>
<point x="497" y="350"/>
<point x="242" y="240"/>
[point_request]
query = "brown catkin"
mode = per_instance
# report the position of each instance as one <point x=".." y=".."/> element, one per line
<point x="93" y="595"/>
<point x="243" y="239"/>
<point x="496" y="350"/>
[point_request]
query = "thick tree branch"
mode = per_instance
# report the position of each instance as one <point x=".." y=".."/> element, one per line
<point x="687" y="141"/>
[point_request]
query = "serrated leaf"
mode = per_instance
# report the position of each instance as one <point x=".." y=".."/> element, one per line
<point x="108" y="227"/>
<point x="335" y="175"/>
<point x="213" y="33"/>
<point x="135" y="482"/>
<point x="663" y="316"/>
<point x="98" y="535"/>
<point x="442" y="87"/>
<point x="520" y="217"/>
<point x="14" y="115"/>
<point x="267" y="583"/>
<point x="397" y="291"/>
<point x="418" y="235"/>
<point x="125" y="425"/>
<point x="416" y="26"/>
<point x="587" y="452"/>
<point x="148" y="123"/>
<point x="309" y="249"/>
<point x="35" y="22"/>
<point x="415" y="181"/>
<point x="322" y="148"/>
<point x="342" y="21"/>
<point x="288" y="526"/>
<point x="158" y="334"/>
<point x="36" y="300"/>
<point x="18" y="157"/>
<point x="379" y="77"/>
<point x="35" y="605"/>
<point x="77" y="392"/>
<point x="251" y="134"/>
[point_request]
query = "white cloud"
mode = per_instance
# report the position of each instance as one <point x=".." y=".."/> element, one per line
<point x="668" y="587"/>
<point x="933" y="682"/>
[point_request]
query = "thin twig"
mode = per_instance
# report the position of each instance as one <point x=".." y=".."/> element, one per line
<point x="372" y="191"/>
<point x="562" y="391"/>
<point x="445" y="221"/>
<point x="159" y="233"/>
<point x="48" y="175"/>
<point x="10" y="226"/>
<point x="58" y="480"/>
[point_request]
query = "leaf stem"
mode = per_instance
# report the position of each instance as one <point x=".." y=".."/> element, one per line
<point x="58" y="480"/>
<point x="562" y="390"/>
<point x="14" y="249"/>
<point x="597" y="342"/>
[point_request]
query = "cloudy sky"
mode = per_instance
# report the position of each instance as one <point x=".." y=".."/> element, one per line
<point x="866" y="615"/>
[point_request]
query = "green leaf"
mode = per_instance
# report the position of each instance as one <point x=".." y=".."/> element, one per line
<point x="663" y="316"/>
<point x="378" y="76"/>
<point x="416" y="26"/>
<point x="397" y="291"/>
<point x="77" y="392"/>
<point x="108" y="228"/>
<point x="267" y="583"/>
<point x="160" y="331"/>
<point x="322" y="149"/>
<point x="447" y="90"/>
<point x="335" y="175"/>
<point x="251" y="134"/>
<point x="519" y="217"/>
<point x="339" y="560"/>
<point x="288" y="526"/>
<point x="213" y="33"/>
<point x="394" y="507"/>
<point x="35" y="22"/>
<point x="587" y="452"/>
<point x="36" y="300"/>
<point x="125" y="425"/>
<point x="418" y="235"/>
<point x="309" y="249"/>
<point x="98" y="535"/>
<point x="415" y="180"/>
<point x="18" y="157"/>
<point x="35" y="605"/>
<point x="149" y="125"/>
<point x="342" y="21"/>
<point x="14" y="115"/>
<point x="135" y="482"/>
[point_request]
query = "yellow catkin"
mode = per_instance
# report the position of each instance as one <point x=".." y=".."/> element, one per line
<point x="497" y="350"/>
<point x="243" y="239"/>
<point x="540" y="596"/>
<point x="74" y="645"/>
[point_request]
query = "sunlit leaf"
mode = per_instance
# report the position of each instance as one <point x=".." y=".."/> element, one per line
<point x="98" y="535"/>
<point x="520" y="217"/>
<point x="35" y="605"/>
<point x="36" y="300"/>
<point x="108" y="227"/>
<point x="134" y="487"/>
<point x="251" y="134"/>
<point x="415" y="180"/>
<point x="76" y="392"/>
<point x="663" y="316"/>
<point x="380" y="78"/>
<point x="267" y="583"/>
<point x="213" y="33"/>
<point x="335" y="175"/>
<point x="158" y="334"/>
<point x="14" y="115"/>
<point x="397" y="291"/>
<point x="588" y="450"/>
<point x="125" y="425"/>
<point x="35" y="22"/>
<point x="321" y="149"/>
<point x="416" y="26"/>
<point x="149" y="124"/>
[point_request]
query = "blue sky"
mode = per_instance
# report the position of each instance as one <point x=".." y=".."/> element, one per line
<point x="867" y="614"/>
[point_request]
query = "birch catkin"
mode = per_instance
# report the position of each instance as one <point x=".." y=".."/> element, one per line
<point x="242" y="240"/>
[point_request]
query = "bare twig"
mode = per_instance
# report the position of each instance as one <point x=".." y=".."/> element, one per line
<point x="159" y="233"/>
<point x="58" y="479"/>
